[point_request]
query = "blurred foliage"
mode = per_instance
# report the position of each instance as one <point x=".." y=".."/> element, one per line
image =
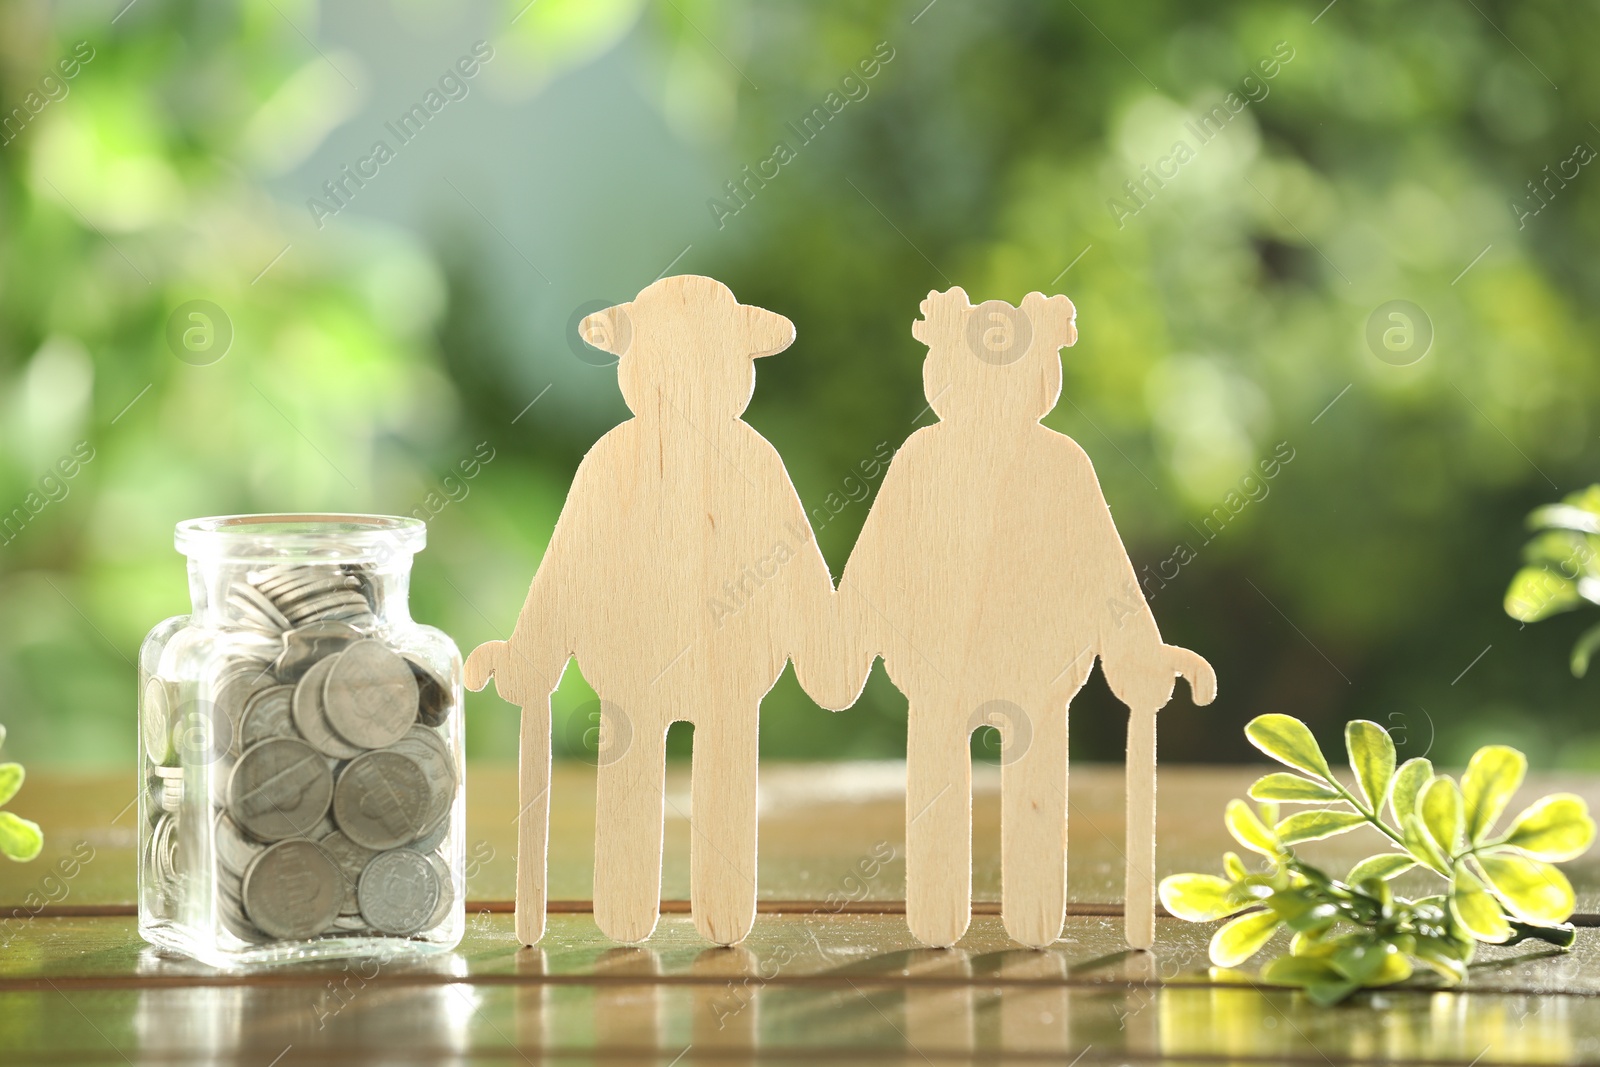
<point x="1562" y="569"/>
<point x="1223" y="316"/>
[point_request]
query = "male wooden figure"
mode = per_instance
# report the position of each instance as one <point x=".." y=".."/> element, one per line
<point x="990" y="576"/>
<point x="682" y="574"/>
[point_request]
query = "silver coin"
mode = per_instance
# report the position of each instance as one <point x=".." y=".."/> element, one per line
<point x="350" y="924"/>
<point x="280" y="788"/>
<point x="221" y="773"/>
<point x="168" y="772"/>
<point x="351" y="859"/>
<point x="292" y="890"/>
<point x="171" y="794"/>
<point x="249" y="594"/>
<point x="234" y="849"/>
<point x="155" y="720"/>
<point x="346" y="602"/>
<point x="447" y="891"/>
<point x="425" y="746"/>
<point x="249" y="612"/>
<point x="268" y="713"/>
<point x="303" y="646"/>
<point x="309" y="717"/>
<point x="381" y="799"/>
<point x="433" y="694"/>
<point x="370" y="696"/>
<point x="228" y="699"/>
<point x="290" y="586"/>
<point x="293" y="599"/>
<point x="398" y="892"/>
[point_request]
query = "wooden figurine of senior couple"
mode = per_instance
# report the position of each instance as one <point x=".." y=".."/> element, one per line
<point x="988" y="576"/>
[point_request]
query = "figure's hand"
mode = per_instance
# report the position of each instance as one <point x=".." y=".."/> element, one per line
<point x="1147" y="683"/>
<point x="1193" y="668"/>
<point x="831" y="662"/>
<point x="484" y="661"/>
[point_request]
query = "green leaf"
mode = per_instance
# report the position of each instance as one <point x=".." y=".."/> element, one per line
<point x="1475" y="910"/>
<point x="1287" y="740"/>
<point x="1382" y="867"/>
<point x="1315" y="825"/>
<point x="1248" y="830"/>
<point x="19" y="839"/>
<point x="1531" y="890"/>
<point x="1576" y="512"/>
<point x="1370" y="961"/>
<point x="1234" y="867"/>
<point x="1555" y="828"/>
<point x="1441" y="814"/>
<point x="1322" y="982"/>
<point x="1446" y="957"/>
<point x="1199" y="898"/>
<point x="1409" y="781"/>
<point x="1415" y="837"/>
<point x="1292" y="789"/>
<point x="1493" y="775"/>
<point x="10" y="780"/>
<point x="1583" y="651"/>
<point x="1303" y="913"/>
<point x="1242" y="938"/>
<point x="1537" y="593"/>
<point x="1372" y="758"/>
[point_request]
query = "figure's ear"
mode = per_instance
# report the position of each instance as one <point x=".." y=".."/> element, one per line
<point x="610" y="330"/>
<point x="766" y="332"/>
<point x="951" y="301"/>
<point x="1054" y="318"/>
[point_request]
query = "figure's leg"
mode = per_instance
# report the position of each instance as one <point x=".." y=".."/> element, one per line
<point x="722" y="823"/>
<point x="533" y="821"/>
<point x="938" y="822"/>
<point x="1033" y="824"/>
<point x="1139" y="887"/>
<point x="631" y="791"/>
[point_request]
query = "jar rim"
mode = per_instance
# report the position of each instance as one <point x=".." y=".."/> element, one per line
<point x="329" y="537"/>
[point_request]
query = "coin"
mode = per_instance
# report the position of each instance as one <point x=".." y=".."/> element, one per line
<point x="352" y="859"/>
<point x="381" y="799"/>
<point x="227" y="701"/>
<point x="234" y="849"/>
<point x="424" y="746"/>
<point x="280" y="788"/>
<point x="447" y="892"/>
<point x="267" y="714"/>
<point x="292" y="890"/>
<point x="155" y="720"/>
<point x="246" y="594"/>
<point x="305" y="645"/>
<point x="398" y="892"/>
<point x="309" y="718"/>
<point x="433" y="694"/>
<point x="370" y="696"/>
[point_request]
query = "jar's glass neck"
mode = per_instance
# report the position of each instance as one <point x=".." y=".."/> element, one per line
<point x="229" y="593"/>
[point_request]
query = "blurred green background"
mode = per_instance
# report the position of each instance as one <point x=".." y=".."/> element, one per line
<point x="1370" y="152"/>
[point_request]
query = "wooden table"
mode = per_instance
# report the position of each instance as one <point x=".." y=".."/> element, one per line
<point x="829" y="974"/>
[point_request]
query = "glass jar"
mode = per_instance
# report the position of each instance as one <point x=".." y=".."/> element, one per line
<point x="300" y="749"/>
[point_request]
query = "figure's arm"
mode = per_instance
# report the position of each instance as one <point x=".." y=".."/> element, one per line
<point x="817" y="638"/>
<point x="528" y="666"/>
<point x="1140" y="668"/>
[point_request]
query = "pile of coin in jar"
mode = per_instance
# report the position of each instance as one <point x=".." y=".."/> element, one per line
<point x="332" y="783"/>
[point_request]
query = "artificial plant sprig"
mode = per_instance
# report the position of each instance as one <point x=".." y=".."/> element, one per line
<point x="20" y="839"/>
<point x="1355" y="933"/>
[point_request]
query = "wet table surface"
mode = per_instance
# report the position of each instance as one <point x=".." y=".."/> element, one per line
<point x="830" y="972"/>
